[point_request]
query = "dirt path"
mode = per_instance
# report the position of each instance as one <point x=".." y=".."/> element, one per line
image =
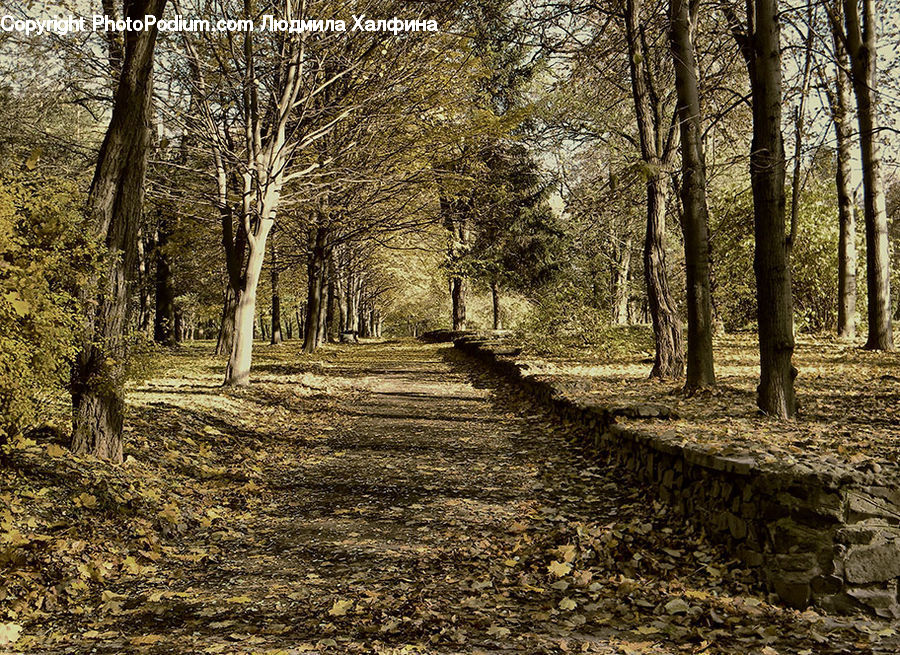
<point x="412" y="506"/>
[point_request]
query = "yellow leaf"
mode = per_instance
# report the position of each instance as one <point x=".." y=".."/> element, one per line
<point x="559" y="569"/>
<point x="56" y="451"/>
<point x="239" y="599"/>
<point x="567" y="604"/>
<point x="340" y="607"/>
<point x="9" y="632"/>
<point x="131" y="566"/>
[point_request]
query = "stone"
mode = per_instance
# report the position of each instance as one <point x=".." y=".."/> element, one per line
<point x="794" y="594"/>
<point x="882" y="601"/>
<point x="736" y="526"/>
<point x="866" y="564"/>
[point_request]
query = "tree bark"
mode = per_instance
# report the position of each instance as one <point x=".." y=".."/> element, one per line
<point x="458" y="297"/>
<point x="330" y="308"/>
<point x="276" y="298"/>
<point x="164" y="317"/>
<point x="655" y="150"/>
<point x="315" y="270"/>
<point x="145" y="274"/>
<point x="237" y="372"/>
<point x="621" y="282"/>
<point x="839" y="100"/>
<point x="695" y="222"/>
<point x="226" y="325"/>
<point x="668" y="361"/>
<point x="114" y="204"/>
<point x="862" y="46"/>
<point x="770" y="263"/>
<point x="495" y="302"/>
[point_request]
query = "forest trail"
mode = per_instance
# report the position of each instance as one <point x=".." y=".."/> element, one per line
<point x="431" y="511"/>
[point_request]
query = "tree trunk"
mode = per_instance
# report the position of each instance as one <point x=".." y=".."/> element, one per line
<point x="620" y="283"/>
<point x="315" y="270"/>
<point x="495" y="302"/>
<point x="770" y="263"/>
<point x="330" y="308"/>
<point x="669" y="358"/>
<point x="458" y="297"/>
<point x="237" y="373"/>
<point x="862" y="47"/>
<point x="276" y="298"/>
<point x="114" y="204"/>
<point x="145" y="275"/>
<point x="695" y="222"/>
<point x="839" y="100"/>
<point x="164" y="319"/>
<point x="323" y="309"/>
<point x="668" y="361"/>
<point x="226" y="325"/>
<point x="179" y="324"/>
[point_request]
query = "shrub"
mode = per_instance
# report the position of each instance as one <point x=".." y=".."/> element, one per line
<point x="45" y="256"/>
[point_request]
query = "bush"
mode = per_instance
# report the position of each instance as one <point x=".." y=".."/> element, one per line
<point x="44" y="256"/>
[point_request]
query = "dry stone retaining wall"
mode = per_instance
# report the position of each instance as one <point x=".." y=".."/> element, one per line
<point x="818" y="531"/>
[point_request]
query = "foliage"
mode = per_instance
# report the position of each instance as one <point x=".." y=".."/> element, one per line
<point x="45" y="256"/>
<point x="814" y="267"/>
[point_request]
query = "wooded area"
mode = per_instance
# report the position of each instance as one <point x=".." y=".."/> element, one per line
<point x="655" y="201"/>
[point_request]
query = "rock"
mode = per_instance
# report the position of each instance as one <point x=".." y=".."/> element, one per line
<point x="865" y="564"/>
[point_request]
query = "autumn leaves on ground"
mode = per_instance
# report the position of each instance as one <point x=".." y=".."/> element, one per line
<point x="380" y="498"/>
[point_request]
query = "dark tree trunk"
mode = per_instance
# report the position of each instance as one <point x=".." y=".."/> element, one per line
<point x="226" y="325"/>
<point x="276" y="298"/>
<point x="839" y="100"/>
<point x="862" y="45"/>
<point x="495" y="302"/>
<point x="164" y="318"/>
<point x="655" y="151"/>
<point x="115" y="205"/>
<point x="317" y="261"/>
<point x="695" y="222"/>
<point x="145" y="275"/>
<point x="668" y="361"/>
<point x="179" y="330"/>
<point x="770" y="263"/>
<point x="329" y="311"/>
<point x="324" y="301"/>
<point x="458" y="298"/>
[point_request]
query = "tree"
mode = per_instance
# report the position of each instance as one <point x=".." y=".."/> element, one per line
<point x="657" y="144"/>
<point x="838" y="96"/>
<point x="114" y="207"/>
<point x="700" y="372"/>
<point x="860" y="38"/>
<point x="761" y="47"/>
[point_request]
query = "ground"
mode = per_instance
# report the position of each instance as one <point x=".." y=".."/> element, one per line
<point x="381" y="498"/>
<point x="849" y="398"/>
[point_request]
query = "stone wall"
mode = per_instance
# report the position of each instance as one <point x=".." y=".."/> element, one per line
<point x="818" y="530"/>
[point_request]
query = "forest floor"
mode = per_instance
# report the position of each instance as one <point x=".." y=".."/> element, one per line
<point x="849" y="398"/>
<point x="383" y="498"/>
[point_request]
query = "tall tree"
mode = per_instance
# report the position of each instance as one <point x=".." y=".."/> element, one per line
<point x="838" y="95"/>
<point x="760" y="43"/>
<point x="657" y="137"/>
<point x="115" y="204"/>
<point x="860" y="38"/>
<point x="695" y="220"/>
